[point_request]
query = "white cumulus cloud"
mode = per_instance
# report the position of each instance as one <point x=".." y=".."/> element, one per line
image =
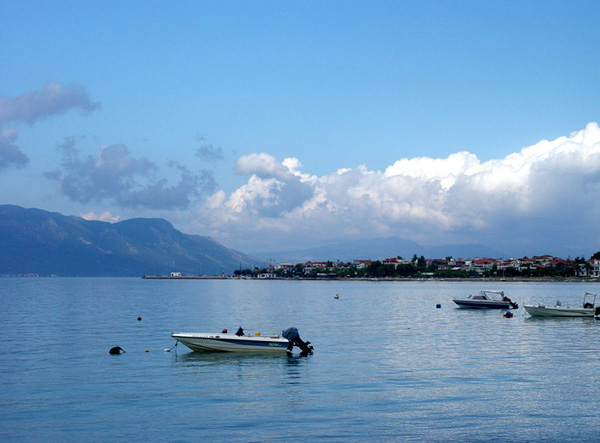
<point x="262" y="165"/>
<point x="105" y="216"/>
<point x="541" y="196"/>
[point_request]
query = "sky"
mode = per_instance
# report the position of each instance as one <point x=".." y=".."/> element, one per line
<point x="280" y="125"/>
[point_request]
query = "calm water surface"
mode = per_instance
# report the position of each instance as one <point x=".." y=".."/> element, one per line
<point x="388" y="365"/>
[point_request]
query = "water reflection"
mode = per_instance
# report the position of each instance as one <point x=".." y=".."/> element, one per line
<point x="242" y="364"/>
<point x="558" y="320"/>
<point x="195" y="359"/>
<point x="389" y="365"/>
<point x="295" y="368"/>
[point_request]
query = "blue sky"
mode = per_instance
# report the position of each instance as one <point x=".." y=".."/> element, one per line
<point x="276" y="125"/>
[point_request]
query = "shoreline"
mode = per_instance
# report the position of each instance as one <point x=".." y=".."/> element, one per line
<point x="386" y="279"/>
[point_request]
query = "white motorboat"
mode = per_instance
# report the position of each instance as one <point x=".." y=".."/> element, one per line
<point x="200" y="341"/>
<point x="587" y="309"/>
<point x="240" y="342"/>
<point x="487" y="299"/>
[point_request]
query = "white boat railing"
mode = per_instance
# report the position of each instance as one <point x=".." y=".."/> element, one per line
<point x="587" y="296"/>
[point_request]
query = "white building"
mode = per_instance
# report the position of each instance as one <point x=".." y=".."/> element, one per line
<point x="595" y="271"/>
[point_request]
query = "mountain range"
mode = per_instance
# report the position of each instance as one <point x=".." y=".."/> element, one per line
<point x="33" y="241"/>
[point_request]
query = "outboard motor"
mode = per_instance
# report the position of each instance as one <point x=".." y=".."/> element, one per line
<point x="294" y="337"/>
<point x="597" y="311"/>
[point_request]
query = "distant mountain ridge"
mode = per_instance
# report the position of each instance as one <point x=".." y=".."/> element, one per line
<point x="34" y="241"/>
<point x="378" y="249"/>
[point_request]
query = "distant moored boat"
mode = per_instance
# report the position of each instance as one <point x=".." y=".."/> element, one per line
<point x="487" y="299"/>
<point x="587" y="309"/>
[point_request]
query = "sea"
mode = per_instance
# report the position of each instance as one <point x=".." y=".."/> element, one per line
<point x="389" y="363"/>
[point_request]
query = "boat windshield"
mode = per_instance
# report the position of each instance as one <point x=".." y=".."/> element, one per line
<point x="589" y="300"/>
<point x="489" y="295"/>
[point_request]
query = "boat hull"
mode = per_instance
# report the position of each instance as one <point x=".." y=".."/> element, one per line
<point x="558" y="311"/>
<point x="206" y="342"/>
<point x="483" y="304"/>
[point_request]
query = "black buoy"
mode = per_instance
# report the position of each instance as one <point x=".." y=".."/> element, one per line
<point x="139" y="318"/>
<point x="116" y="350"/>
<point x="438" y="306"/>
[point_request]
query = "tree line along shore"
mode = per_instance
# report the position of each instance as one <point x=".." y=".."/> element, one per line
<point x="544" y="267"/>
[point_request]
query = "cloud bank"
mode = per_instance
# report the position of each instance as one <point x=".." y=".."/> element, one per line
<point x="10" y="154"/>
<point x="114" y="176"/>
<point x="538" y="198"/>
<point x="209" y="153"/>
<point x="53" y="99"/>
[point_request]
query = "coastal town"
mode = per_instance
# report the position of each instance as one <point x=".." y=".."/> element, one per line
<point x="544" y="266"/>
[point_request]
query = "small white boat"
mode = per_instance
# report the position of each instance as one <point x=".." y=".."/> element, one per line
<point x="587" y="309"/>
<point x="240" y="342"/>
<point x="200" y="341"/>
<point x="487" y="300"/>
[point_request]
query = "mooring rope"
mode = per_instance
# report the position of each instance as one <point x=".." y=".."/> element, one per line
<point x="174" y="347"/>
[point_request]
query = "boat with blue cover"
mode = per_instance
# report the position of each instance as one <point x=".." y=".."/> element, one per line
<point x="487" y="299"/>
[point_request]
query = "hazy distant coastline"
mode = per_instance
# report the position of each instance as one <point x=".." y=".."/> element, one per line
<point x="384" y="279"/>
<point x="40" y="243"/>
